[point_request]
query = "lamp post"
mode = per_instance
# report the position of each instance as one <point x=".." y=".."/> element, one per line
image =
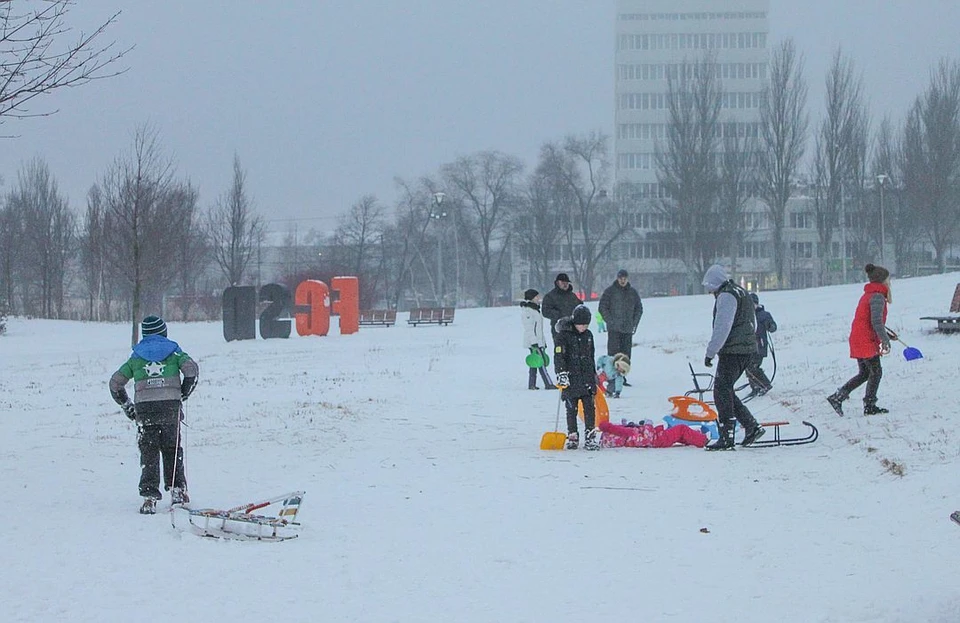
<point x="882" y="180"/>
<point x="439" y="213"/>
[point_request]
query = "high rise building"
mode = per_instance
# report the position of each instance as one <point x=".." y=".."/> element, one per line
<point x="660" y="38"/>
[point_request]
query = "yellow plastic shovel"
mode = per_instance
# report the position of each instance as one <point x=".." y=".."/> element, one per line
<point x="555" y="440"/>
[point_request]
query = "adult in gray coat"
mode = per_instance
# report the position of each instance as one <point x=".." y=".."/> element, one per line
<point x="621" y="308"/>
<point x="734" y="340"/>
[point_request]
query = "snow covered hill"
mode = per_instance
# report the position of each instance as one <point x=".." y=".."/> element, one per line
<point x="429" y="500"/>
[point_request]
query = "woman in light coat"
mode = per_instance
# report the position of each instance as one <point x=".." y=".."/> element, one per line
<point x="533" y="338"/>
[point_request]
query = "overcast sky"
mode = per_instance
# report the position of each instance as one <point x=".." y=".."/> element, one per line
<point x="325" y="101"/>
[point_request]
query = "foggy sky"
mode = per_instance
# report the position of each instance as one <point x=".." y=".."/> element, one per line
<point x="325" y="101"/>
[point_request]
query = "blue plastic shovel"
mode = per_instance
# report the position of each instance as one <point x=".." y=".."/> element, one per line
<point x="909" y="352"/>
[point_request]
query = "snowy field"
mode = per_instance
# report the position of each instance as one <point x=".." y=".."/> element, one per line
<point x="429" y="500"/>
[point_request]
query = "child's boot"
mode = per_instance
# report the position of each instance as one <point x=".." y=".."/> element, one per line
<point x="836" y="400"/>
<point x="592" y="442"/>
<point x="573" y="441"/>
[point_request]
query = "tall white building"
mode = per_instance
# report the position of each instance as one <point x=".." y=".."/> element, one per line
<point x="655" y="38"/>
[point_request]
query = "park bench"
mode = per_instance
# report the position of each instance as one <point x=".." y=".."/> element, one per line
<point x="431" y="315"/>
<point x="378" y="317"/>
<point x="949" y="324"/>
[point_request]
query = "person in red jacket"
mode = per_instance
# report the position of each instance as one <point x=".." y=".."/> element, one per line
<point x="868" y="341"/>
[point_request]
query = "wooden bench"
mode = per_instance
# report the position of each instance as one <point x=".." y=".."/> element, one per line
<point x="431" y="315"/>
<point x="378" y="317"/>
<point x="949" y="324"/>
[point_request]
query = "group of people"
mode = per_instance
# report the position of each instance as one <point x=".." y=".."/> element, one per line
<point x="739" y="342"/>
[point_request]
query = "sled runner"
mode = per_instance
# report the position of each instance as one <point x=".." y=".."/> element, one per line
<point x="241" y="522"/>
<point x="812" y="434"/>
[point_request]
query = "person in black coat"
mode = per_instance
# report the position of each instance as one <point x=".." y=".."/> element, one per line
<point x="573" y="362"/>
<point x="559" y="302"/>
<point x="759" y="382"/>
<point x="621" y="308"/>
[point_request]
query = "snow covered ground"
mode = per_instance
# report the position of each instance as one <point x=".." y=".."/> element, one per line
<point x="429" y="500"/>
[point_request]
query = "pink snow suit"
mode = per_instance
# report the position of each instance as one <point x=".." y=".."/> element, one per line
<point x="649" y="436"/>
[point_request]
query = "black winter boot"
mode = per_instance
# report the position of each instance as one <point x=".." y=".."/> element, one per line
<point x="149" y="506"/>
<point x="754" y="433"/>
<point x="723" y="442"/>
<point x="592" y="442"/>
<point x="836" y="401"/>
<point x="573" y="441"/>
<point x="873" y="409"/>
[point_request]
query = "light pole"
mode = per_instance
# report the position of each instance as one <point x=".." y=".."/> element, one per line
<point x="882" y="180"/>
<point x="439" y="213"/>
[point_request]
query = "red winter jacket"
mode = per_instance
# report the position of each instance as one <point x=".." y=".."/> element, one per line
<point x="867" y="328"/>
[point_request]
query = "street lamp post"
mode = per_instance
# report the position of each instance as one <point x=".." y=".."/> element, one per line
<point x="439" y="213"/>
<point x="882" y="180"/>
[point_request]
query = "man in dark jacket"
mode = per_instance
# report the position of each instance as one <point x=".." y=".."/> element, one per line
<point x="156" y="366"/>
<point x="621" y="309"/>
<point x="559" y="302"/>
<point x="573" y="362"/>
<point x="759" y="382"/>
<point x="734" y="340"/>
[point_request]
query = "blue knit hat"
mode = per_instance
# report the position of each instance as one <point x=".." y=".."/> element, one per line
<point x="153" y="325"/>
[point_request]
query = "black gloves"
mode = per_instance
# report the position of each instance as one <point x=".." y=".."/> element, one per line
<point x="563" y="379"/>
<point x="129" y="410"/>
<point x="708" y="361"/>
<point x="187" y="386"/>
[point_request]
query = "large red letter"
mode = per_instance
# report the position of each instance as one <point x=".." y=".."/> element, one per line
<point x="316" y="296"/>
<point x="348" y="306"/>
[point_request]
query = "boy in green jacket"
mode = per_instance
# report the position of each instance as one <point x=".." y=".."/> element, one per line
<point x="156" y="366"/>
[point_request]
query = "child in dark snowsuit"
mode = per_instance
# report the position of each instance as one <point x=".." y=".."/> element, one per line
<point x="156" y="366"/>
<point x="573" y="362"/>
<point x="759" y="382"/>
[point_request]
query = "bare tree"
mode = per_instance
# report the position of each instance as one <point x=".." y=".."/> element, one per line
<point x="358" y="236"/>
<point x="841" y="146"/>
<point x="234" y="229"/>
<point x="579" y="173"/>
<point x="737" y="184"/>
<point x="12" y="262"/>
<point x="687" y="162"/>
<point x="39" y="55"/>
<point x="92" y="258"/>
<point x="191" y="250"/>
<point x="931" y="159"/>
<point x="783" y="122"/>
<point x="49" y="228"/>
<point x="539" y="224"/>
<point x="139" y="232"/>
<point x="887" y="160"/>
<point x="402" y="242"/>
<point x="485" y="188"/>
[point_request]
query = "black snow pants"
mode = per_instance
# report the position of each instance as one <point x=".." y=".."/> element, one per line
<point x="729" y="407"/>
<point x="158" y="435"/>
<point x="589" y="411"/>
<point x="869" y="371"/>
<point x="619" y="342"/>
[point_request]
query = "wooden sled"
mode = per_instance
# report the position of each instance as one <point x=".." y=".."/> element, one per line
<point x="241" y="523"/>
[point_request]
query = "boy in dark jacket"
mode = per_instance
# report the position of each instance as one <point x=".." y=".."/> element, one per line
<point x="155" y="366"/>
<point x="574" y="364"/>
<point x="759" y="382"/>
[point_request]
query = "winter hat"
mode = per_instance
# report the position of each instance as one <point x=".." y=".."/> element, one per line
<point x="622" y="363"/>
<point x="562" y="277"/>
<point x="876" y="274"/>
<point x="153" y="325"/>
<point x="530" y="294"/>
<point x="754" y="298"/>
<point x="581" y="315"/>
<point x="715" y="277"/>
<point x="622" y="273"/>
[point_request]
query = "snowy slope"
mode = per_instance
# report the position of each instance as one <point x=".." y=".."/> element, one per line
<point x="429" y="500"/>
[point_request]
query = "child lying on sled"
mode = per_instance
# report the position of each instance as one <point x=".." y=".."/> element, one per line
<point x="646" y="435"/>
